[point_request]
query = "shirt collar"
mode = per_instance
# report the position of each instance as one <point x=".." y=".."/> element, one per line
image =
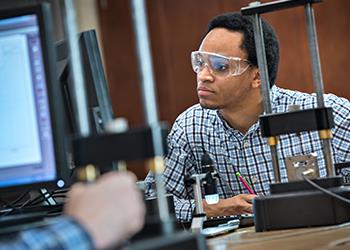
<point x="274" y="95"/>
<point x="232" y="131"/>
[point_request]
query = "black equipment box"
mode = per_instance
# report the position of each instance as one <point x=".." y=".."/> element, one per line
<point x="298" y="204"/>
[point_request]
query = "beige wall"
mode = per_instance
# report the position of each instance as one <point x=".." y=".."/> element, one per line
<point x="87" y="17"/>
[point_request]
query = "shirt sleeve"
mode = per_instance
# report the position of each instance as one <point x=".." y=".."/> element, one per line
<point x="341" y="131"/>
<point x="179" y="163"/>
<point x="61" y="233"/>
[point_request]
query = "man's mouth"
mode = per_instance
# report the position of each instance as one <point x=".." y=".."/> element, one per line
<point x="203" y="91"/>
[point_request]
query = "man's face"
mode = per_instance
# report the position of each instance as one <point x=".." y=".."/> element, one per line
<point x="224" y="92"/>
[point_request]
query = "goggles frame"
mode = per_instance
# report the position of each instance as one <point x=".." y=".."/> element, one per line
<point x="217" y="64"/>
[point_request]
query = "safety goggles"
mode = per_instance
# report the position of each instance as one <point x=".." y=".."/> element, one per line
<point x="218" y="65"/>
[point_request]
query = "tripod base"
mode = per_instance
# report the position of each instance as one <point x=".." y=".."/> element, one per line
<point x="297" y="204"/>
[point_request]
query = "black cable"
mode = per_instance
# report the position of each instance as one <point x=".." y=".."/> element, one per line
<point x="59" y="196"/>
<point x="13" y="203"/>
<point x="36" y="199"/>
<point x="11" y="206"/>
<point x="59" y="191"/>
<point x="315" y="185"/>
<point x="8" y="206"/>
<point x="43" y="198"/>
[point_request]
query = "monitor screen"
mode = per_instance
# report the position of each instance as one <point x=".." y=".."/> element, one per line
<point x="30" y="150"/>
<point x="98" y="98"/>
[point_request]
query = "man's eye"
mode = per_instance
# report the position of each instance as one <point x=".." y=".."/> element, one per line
<point x="220" y="66"/>
<point x="200" y="63"/>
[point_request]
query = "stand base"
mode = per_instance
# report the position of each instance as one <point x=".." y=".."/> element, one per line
<point x="297" y="204"/>
<point x="173" y="241"/>
<point x="197" y="223"/>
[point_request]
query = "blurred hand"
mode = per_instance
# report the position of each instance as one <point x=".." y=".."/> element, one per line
<point x="111" y="209"/>
<point x="239" y="204"/>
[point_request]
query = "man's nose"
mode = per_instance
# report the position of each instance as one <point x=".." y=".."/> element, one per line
<point x="205" y="74"/>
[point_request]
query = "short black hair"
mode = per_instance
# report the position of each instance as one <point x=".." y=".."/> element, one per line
<point x="235" y="21"/>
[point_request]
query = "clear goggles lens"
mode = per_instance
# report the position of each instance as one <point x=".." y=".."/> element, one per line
<point x="218" y="64"/>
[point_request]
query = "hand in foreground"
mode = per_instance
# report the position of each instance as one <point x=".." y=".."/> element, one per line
<point x="239" y="204"/>
<point x="111" y="209"/>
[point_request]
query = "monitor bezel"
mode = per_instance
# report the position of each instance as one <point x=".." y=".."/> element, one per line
<point x="96" y="85"/>
<point x="44" y="17"/>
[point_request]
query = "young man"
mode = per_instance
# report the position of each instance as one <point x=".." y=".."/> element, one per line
<point x="225" y="122"/>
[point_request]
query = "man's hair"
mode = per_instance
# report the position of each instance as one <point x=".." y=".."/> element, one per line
<point x="234" y="21"/>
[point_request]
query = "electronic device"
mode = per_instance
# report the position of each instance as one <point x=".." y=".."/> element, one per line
<point x="246" y="220"/>
<point x="343" y="169"/>
<point x="98" y="99"/>
<point x="219" y="220"/>
<point x="211" y="195"/>
<point x="32" y="146"/>
<point x="99" y="104"/>
<point x="222" y="228"/>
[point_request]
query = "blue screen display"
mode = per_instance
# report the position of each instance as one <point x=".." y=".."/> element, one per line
<point x="26" y="141"/>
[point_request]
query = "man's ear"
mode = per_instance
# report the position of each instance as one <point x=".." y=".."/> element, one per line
<point x="256" y="80"/>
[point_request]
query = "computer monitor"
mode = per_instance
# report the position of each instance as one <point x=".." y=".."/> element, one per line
<point x="98" y="98"/>
<point x="32" y="142"/>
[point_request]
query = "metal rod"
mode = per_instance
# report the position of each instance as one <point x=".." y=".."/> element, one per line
<point x="198" y="193"/>
<point x="80" y="102"/>
<point x="261" y="56"/>
<point x="315" y="58"/>
<point x="275" y="164"/>
<point x="265" y="84"/>
<point x="318" y="80"/>
<point x="327" y="152"/>
<point x="149" y="101"/>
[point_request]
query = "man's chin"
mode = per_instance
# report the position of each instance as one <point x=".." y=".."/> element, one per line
<point x="208" y="105"/>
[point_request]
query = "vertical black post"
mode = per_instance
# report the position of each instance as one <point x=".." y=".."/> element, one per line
<point x="325" y="135"/>
<point x="265" y="87"/>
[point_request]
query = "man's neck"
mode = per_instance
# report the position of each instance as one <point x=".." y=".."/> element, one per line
<point x="243" y="118"/>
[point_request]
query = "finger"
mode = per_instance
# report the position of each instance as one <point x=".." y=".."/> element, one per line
<point x="76" y="190"/>
<point x="248" y="210"/>
<point x="125" y="177"/>
<point x="129" y="175"/>
<point x="249" y="197"/>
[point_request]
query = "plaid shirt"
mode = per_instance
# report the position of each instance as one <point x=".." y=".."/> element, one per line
<point x="60" y="234"/>
<point x="199" y="130"/>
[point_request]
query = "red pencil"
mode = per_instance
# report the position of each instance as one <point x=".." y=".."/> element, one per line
<point x="238" y="174"/>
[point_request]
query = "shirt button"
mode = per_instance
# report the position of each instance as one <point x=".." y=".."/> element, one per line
<point x="246" y="144"/>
